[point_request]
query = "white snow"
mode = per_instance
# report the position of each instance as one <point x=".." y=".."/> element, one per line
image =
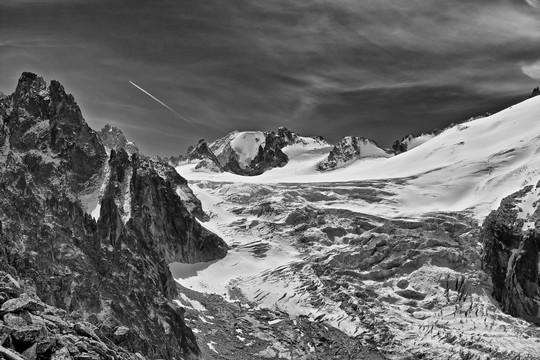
<point x="190" y="303"/>
<point x="211" y="346"/>
<point x="246" y="144"/>
<point x="126" y="204"/>
<point x="470" y="166"/>
<point x="368" y="148"/>
<point x="526" y="207"/>
<point x="97" y="210"/>
<point x="92" y="201"/>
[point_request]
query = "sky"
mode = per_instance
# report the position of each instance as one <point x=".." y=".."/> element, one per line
<point x="380" y="69"/>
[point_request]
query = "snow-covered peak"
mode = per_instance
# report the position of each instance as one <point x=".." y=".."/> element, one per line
<point x="472" y="165"/>
<point x="246" y="144"/>
<point x="243" y="144"/>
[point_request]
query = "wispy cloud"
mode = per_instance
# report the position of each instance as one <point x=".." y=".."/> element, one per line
<point x="330" y="67"/>
<point x="532" y="70"/>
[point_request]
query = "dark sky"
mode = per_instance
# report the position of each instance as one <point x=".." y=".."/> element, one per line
<point x="374" y="68"/>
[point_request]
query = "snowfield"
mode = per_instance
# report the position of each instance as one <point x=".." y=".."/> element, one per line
<point x="470" y="166"/>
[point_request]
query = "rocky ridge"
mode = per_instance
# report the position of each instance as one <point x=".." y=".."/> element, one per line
<point x="108" y="269"/>
<point x="243" y="153"/>
<point x="267" y="152"/>
<point x="31" y="329"/>
<point x="114" y="139"/>
<point x="349" y="149"/>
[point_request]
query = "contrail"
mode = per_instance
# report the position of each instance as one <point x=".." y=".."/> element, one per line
<point x="162" y="103"/>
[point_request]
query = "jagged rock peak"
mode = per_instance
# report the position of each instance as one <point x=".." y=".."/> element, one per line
<point x="349" y="149"/>
<point x="535" y="92"/>
<point x="113" y="271"/>
<point x="114" y="139"/>
<point x="29" y="85"/>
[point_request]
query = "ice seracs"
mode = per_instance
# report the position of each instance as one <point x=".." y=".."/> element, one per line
<point x="389" y="249"/>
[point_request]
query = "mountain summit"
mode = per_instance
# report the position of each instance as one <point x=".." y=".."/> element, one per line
<point x="114" y="139"/>
<point x="86" y="236"/>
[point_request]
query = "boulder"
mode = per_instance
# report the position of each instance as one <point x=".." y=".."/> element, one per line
<point x="22" y="303"/>
<point x="9" y="354"/>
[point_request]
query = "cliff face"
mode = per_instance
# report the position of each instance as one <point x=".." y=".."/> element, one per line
<point x="512" y="253"/>
<point x="109" y="270"/>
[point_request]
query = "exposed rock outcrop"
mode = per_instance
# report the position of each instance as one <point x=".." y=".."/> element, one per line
<point x="399" y="147"/>
<point x="244" y="153"/>
<point x="202" y="152"/>
<point x="349" y="149"/>
<point x="113" y="272"/>
<point x="535" y="92"/>
<point x="512" y="253"/>
<point x="410" y="142"/>
<point x="114" y="139"/>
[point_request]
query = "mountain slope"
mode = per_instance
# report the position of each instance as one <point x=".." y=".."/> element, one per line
<point x="246" y="153"/>
<point x="468" y="166"/>
<point x="113" y="272"/>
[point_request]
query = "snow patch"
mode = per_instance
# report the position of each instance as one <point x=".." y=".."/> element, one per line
<point x="92" y="201"/>
<point x="211" y="346"/>
<point x="194" y="303"/>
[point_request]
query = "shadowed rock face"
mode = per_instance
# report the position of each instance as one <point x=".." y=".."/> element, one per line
<point x="112" y="272"/>
<point x="156" y="212"/>
<point x="511" y="254"/>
